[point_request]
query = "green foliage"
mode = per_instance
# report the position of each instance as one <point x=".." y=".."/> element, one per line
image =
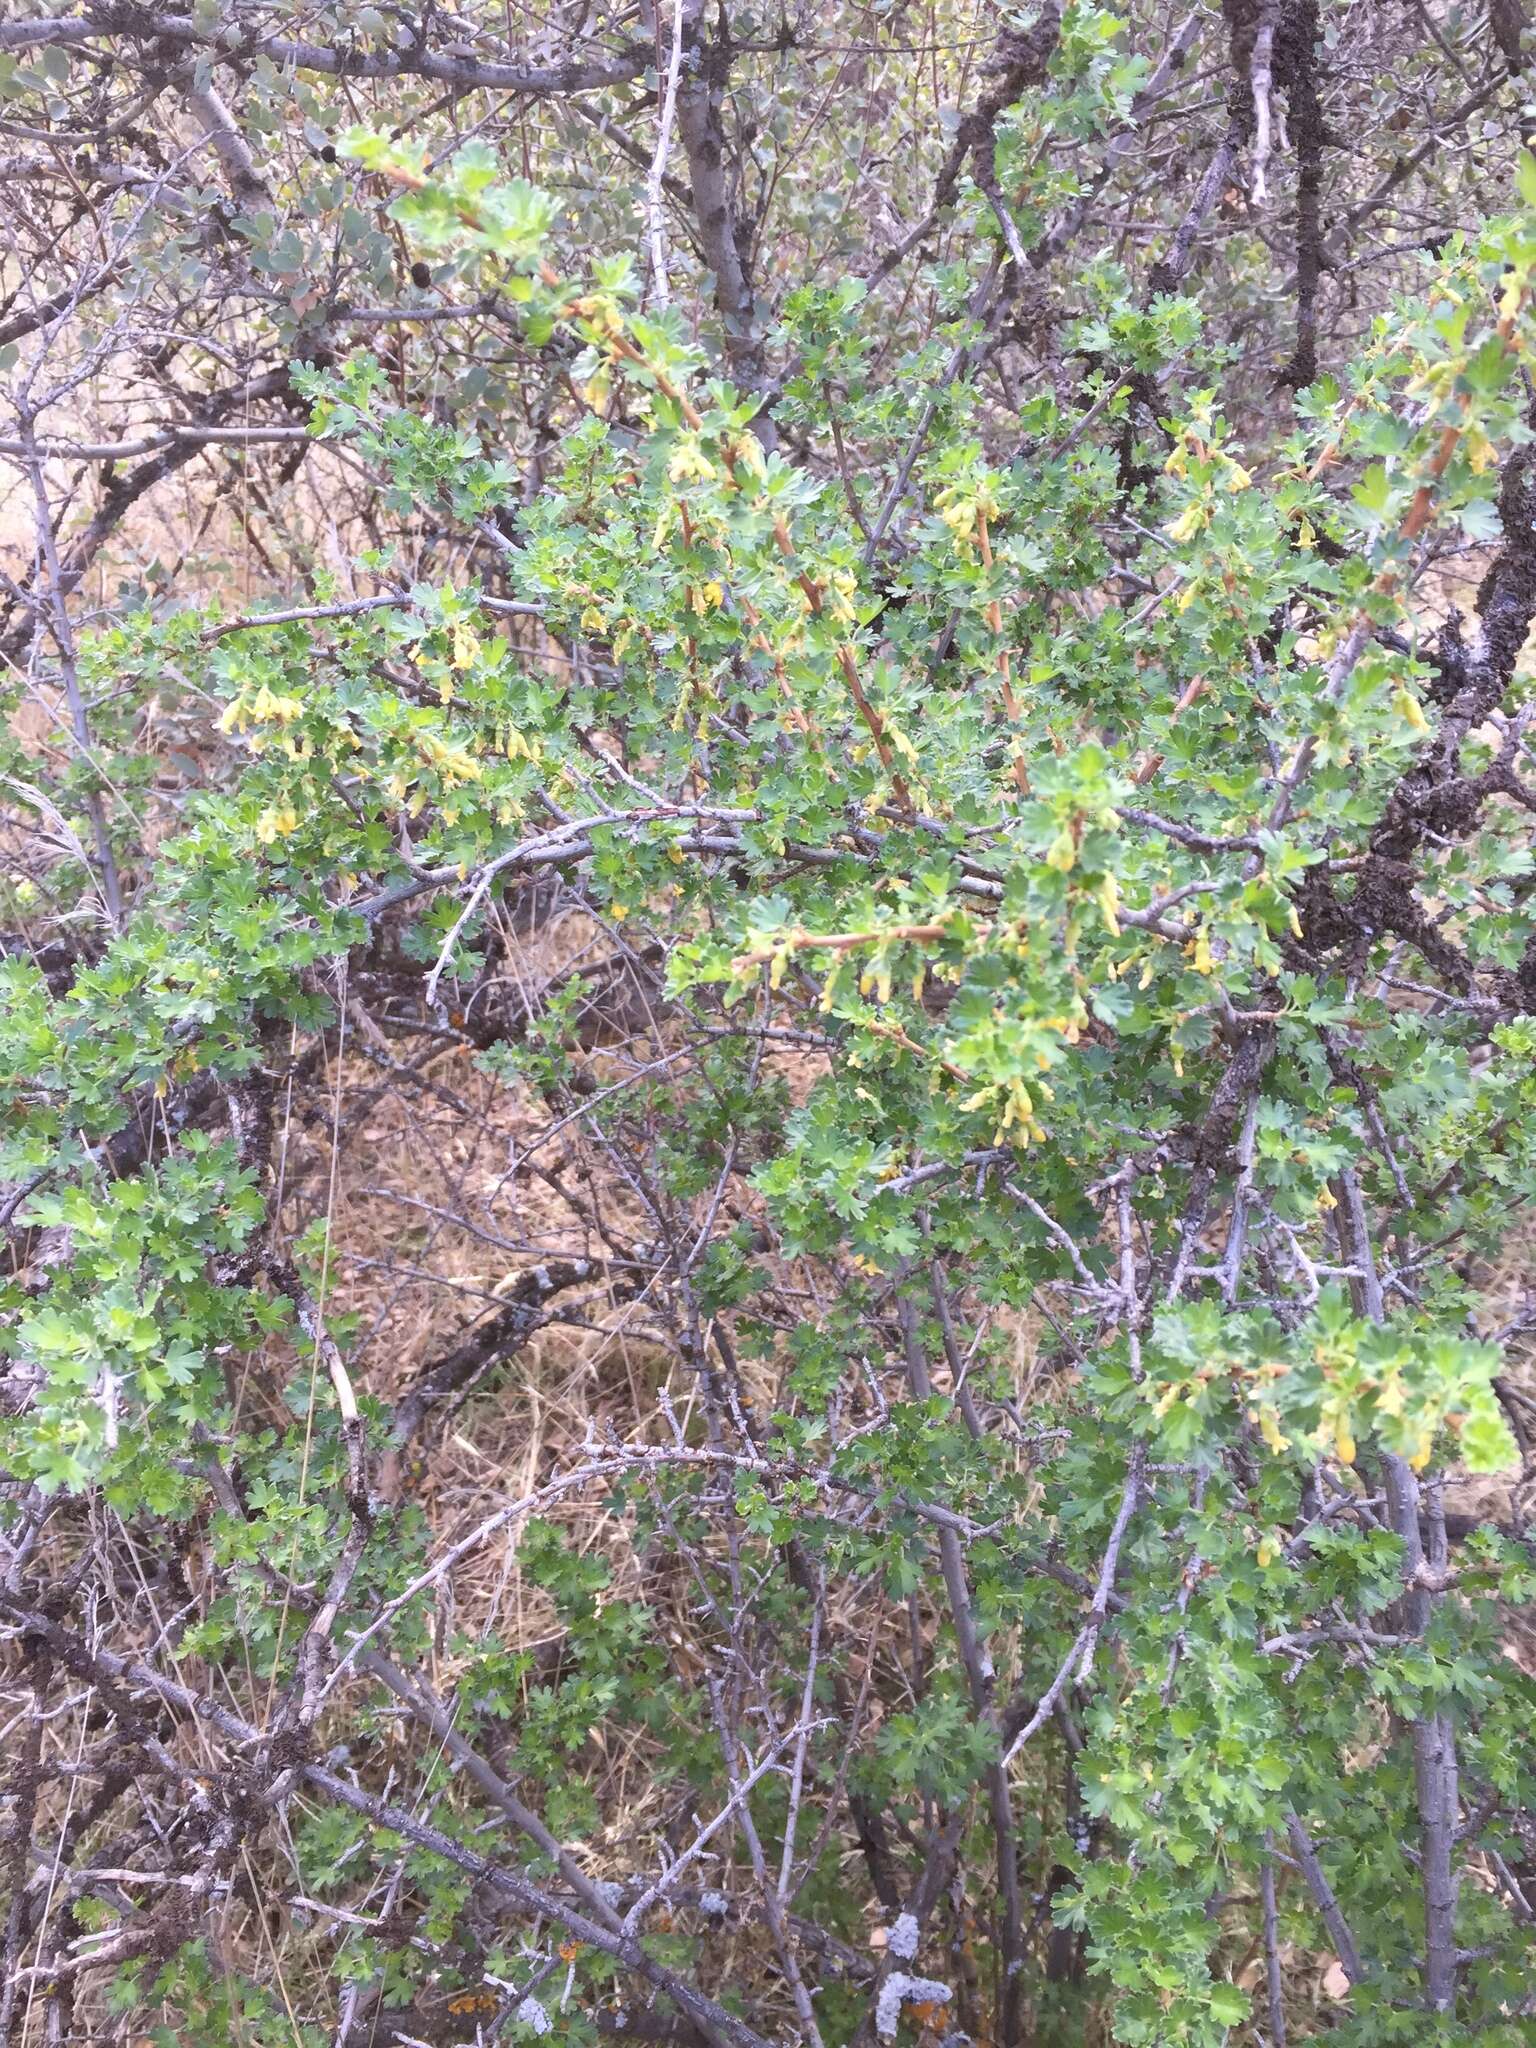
<point x="1070" y="900"/>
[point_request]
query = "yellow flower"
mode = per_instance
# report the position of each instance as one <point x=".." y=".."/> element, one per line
<point x="1270" y="1430"/>
<point x="517" y="746"/>
<point x="690" y="461"/>
<point x="451" y="762"/>
<point x="1109" y="903"/>
<point x="276" y="822"/>
<point x="1479" y="450"/>
<point x="1062" y="852"/>
<point x="1019" y="1106"/>
<point x="748" y="454"/>
<point x="1189" y="522"/>
<point x="1411" y="709"/>
<point x="283" y="709"/>
<point x="958" y="511"/>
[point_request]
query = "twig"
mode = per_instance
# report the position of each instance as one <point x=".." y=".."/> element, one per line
<point x="655" y="218"/>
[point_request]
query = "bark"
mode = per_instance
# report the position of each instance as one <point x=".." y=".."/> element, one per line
<point x="701" y="127"/>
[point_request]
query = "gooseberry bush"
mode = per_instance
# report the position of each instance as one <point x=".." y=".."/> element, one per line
<point x="1045" y="1075"/>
